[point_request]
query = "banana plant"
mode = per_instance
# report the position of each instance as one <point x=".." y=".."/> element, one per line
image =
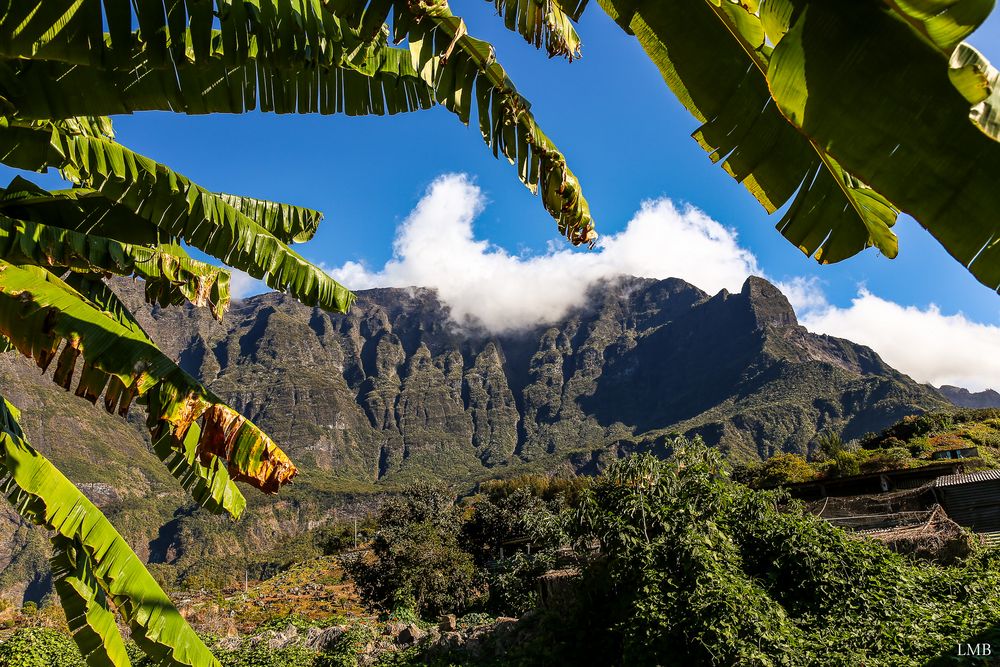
<point x="839" y="114"/>
<point x="66" y="66"/>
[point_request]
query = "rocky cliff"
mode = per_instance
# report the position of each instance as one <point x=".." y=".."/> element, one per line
<point x="395" y="391"/>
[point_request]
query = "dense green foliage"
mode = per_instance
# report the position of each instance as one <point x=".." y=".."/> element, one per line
<point x="433" y="556"/>
<point x="909" y="443"/>
<point x="417" y="562"/>
<point x="691" y="568"/>
<point x="39" y="647"/>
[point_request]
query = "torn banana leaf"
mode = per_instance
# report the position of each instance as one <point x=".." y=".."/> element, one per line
<point x="92" y="561"/>
<point x="464" y="70"/>
<point x="180" y="208"/>
<point x="206" y="477"/>
<point x="541" y="22"/>
<point x="171" y="277"/>
<point x="713" y="57"/>
<point x="38" y="313"/>
<point x="383" y="81"/>
<point x="880" y="98"/>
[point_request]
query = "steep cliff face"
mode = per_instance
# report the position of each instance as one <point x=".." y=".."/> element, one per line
<point x="394" y="391"/>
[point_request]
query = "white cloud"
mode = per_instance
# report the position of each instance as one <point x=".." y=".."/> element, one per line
<point x="242" y="285"/>
<point x="805" y="294"/>
<point x="435" y="247"/>
<point x="926" y="344"/>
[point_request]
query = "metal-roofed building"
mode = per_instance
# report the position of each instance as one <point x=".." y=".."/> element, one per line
<point x="972" y="500"/>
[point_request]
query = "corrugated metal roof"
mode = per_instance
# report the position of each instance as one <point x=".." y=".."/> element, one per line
<point x="971" y="478"/>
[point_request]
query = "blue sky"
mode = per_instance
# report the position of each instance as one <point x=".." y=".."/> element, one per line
<point x="624" y="134"/>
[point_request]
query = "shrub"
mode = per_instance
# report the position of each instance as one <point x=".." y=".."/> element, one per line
<point x="39" y="647"/>
<point x="417" y="560"/>
<point x="782" y="469"/>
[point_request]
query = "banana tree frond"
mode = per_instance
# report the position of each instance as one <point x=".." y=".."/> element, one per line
<point x="176" y="31"/>
<point x="572" y="8"/>
<point x="38" y="313"/>
<point x="881" y="100"/>
<point x="43" y="496"/>
<point x="88" y="613"/>
<point x="378" y="80"/>
<point x="179" y="207"/>
<point x="170" y="276"/>
<point x="541" y="22"/>
<point x="944" y="22"/>
<point x="979" y="82"/>
<point x="291" y="224"/>
<point x="92" y="287"/>
<point x="462" y="69"/>
<point x="713" y="56"/>
<point x="210" y="484"/>
<point x="83" y="210"/>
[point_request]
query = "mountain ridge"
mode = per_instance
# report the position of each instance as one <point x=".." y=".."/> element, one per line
<point x="395" y="392"/>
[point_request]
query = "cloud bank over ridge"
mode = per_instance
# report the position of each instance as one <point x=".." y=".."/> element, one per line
<point x="435" y="247"/>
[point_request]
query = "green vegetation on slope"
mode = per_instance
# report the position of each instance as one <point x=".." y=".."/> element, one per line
<point x="912" y="442"/>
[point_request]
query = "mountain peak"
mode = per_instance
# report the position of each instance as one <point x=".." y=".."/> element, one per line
<point x="768" y="305"/>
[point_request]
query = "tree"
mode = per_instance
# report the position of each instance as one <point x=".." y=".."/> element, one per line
<point x="64" y="67"/>
<point x="789" y="114"/>
<point x="417" y="562"/>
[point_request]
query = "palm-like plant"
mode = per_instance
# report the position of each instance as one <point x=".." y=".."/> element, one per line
<point x="784" y="108"/>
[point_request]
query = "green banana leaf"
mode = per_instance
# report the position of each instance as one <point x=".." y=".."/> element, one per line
<point x="93" y="561"/>
<point x="38" y="313"/>
<point x="869" y="90"/>
<point x="170" y="276"/>
<point x="89" y="211"/>
<point x="541" y="22"/>
<point x="464" y="70"/>
<point x="220" y="55"/>
<point x="88" y="614"/>
<point x="713" y="57"/>
<point x="180" y="208"/>
<point x="205" y="478"/>
<point x="382" y="81"/>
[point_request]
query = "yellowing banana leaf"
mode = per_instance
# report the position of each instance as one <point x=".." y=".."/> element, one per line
<point x="180" y="208"/>
<point x="874" y="94"/>
<point x="92" y="560"/>
<point x="38" y="313"/>
<point x="170" y="276"/>
<point x="206" y="477"/>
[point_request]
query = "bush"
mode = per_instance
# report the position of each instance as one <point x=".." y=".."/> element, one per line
<point x="697" y="570"/>
<point x="261" y="655"/>
<point x="417" y="560"/>
<point x="779" y="470"/>
<point x="40" y="647"/>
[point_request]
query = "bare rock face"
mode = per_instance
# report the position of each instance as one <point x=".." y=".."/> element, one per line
<point x="396" y="391"/>
<point x="396" y="388"/>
